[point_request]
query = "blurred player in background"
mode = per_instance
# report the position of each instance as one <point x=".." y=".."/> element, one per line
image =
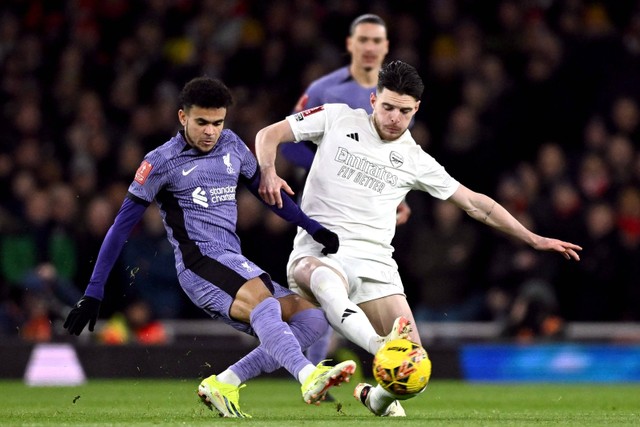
<point x="193" y="178"/>
<point x="364" y="166"/>
<point x="353" y="84"/>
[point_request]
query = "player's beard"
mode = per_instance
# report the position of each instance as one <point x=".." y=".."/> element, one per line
<point x="192" y="143"/>
<point x="384" y="134"/>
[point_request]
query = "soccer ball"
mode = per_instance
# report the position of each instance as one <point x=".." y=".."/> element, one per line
<point x="402" y="367"/>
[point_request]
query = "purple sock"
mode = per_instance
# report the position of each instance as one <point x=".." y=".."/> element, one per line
<point x="306" y="326"/>
<point x="276" y="337"/>
<point x="317" y="352"/>
<point x="309" y="326"/>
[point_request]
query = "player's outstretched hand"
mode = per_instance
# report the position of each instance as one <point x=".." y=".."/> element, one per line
<point x="85" y="311"/>
<point x="328" y="239"/>
<point x="566" y="249"/>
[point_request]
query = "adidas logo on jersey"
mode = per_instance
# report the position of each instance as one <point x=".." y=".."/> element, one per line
<point x="353" y="136"/>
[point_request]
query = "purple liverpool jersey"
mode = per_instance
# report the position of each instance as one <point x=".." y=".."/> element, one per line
<point x="196" y="193"/>
<point x="339" y="87"/>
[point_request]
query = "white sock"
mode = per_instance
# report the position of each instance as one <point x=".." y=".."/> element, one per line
<point x="229" y="377"/>
<point x="380" y="399"/>
<point x="305" y="372"/>
<point x="343" y="315"/>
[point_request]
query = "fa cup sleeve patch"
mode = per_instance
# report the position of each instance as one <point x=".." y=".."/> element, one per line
<point x="143" y="172"/>
<point x="302" y="114"/>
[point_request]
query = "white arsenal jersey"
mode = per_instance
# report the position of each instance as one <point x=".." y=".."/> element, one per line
<point x="357" y="180"/>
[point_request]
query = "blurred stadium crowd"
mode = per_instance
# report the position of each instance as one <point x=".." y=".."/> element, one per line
<point x="534" y="102"/>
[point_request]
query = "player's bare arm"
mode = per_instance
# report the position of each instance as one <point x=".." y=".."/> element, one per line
<point x="267" y="141"/>
<point x="486" y="210"/>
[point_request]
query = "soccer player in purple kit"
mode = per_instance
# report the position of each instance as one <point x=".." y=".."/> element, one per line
<point x="193" y="179"/>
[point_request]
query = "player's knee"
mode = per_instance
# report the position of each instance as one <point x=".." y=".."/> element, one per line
<point x="302" y="272"/>
<point x="252" y="293"/>
<point x="293" y="304"/>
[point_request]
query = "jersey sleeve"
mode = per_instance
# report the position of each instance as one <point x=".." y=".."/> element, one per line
<point x="128" y="216"/>
<point x="249" y="163"/>
<point x="314" y="93"/>
<point x="432" y="177"/>
<point x="149" y="178"/>
<point x="312" y="124"/>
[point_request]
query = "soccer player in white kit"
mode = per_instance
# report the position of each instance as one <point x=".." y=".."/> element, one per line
<point x="364" y="166"/>
<point x="367" y="44"/>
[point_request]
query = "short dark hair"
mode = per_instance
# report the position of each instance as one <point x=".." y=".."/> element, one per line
<point x="367" y="18"/>
<point x="205" y="92"/>
<point x="400" y="77"/>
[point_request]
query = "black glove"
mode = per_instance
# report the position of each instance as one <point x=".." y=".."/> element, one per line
<point x="85" y="311"/>
<point x="329" y="240"/>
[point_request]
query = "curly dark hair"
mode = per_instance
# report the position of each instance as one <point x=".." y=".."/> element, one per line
<point x="205" y="92"/>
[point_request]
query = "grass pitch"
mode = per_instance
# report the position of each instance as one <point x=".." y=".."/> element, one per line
<point x="275" y="402"/>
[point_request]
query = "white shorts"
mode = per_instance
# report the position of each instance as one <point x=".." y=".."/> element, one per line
<point x="368" y="279"/>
